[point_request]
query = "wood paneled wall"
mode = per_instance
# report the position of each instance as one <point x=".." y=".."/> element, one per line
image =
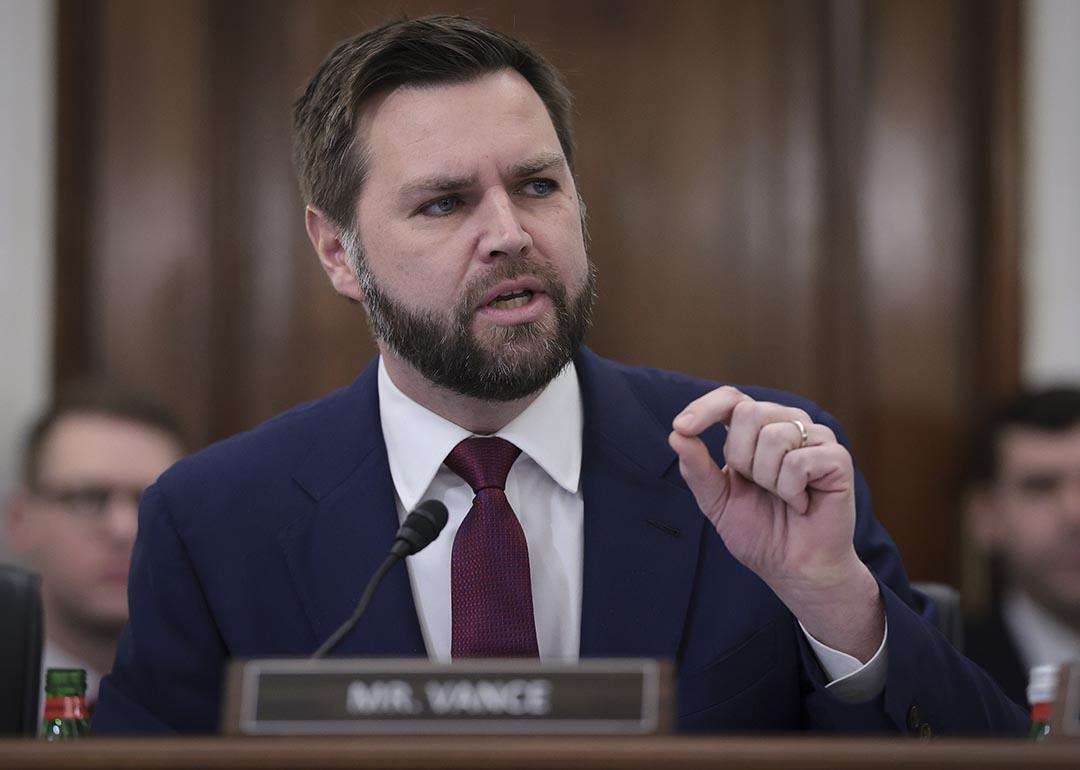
<point x="818" y="196"/>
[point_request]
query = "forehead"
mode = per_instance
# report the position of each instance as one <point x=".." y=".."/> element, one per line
<point x="1026" y="449"/>
<point x="412" y="131"/>
<point x="86" y="447"/>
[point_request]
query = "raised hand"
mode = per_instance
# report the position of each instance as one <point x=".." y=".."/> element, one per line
<point x="784" y="504"/>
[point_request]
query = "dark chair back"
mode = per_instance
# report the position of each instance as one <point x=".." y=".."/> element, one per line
<point x="950" y="620"/>
<point x="20" y="650"/>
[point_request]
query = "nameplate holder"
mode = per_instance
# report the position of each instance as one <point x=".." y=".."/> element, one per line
<point x="364" y="696"/>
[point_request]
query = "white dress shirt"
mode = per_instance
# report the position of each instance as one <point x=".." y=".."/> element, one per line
<point x="544" y="490"/>
<point x="1040" y="637"/>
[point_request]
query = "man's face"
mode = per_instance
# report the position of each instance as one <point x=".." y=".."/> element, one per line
<point x="1034" y="515"/>
<point x="471" y="254"/>
<point x="77" y="525"/>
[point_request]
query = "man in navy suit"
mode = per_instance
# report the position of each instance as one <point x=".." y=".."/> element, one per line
<point x="436" y="160"/>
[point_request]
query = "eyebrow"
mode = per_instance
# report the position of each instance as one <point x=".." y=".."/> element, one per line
<point x="439" y="183"/>
<point x="436" y="184"/>
<point x="537" y="164"/>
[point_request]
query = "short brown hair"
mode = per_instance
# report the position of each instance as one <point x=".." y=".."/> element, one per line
<point x="1050" y="410"/>
<point x="94" y="397"/>
<point x="412" y="52"/>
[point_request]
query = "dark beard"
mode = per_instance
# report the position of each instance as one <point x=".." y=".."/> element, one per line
<point x="516" y="362"/>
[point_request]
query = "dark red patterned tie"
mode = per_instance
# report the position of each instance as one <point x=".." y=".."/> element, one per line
<point x="491" y="596"/>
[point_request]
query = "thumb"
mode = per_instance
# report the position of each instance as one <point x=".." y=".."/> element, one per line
<point x="706" y="480"/>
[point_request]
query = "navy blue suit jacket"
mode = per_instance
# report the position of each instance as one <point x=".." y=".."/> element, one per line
<point x="261" y="544"/>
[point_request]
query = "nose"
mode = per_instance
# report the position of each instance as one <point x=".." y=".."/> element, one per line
<point x="502" y="234"/>
<point x="122" y="517"/>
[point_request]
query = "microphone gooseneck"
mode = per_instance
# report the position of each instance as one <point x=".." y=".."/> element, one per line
<point x="420" y="527"/>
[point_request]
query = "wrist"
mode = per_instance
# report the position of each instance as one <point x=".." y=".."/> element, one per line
<point x="845" y="613"/>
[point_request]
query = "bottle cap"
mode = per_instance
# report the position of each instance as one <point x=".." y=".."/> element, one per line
<point x="1042" y="684"/>
<point x="65" y="681"/>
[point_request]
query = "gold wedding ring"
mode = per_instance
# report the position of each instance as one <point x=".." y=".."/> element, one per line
<point x="802" y="432"/>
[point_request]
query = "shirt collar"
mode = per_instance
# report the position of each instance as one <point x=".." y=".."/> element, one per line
<point x="418" y="440"/>
<point x="1041" y="637"/>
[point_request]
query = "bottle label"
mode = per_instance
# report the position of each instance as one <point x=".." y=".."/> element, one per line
<point x="65" y="707"/>
<point x="1040" y="712"/>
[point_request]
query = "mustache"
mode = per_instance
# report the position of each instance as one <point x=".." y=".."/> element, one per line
<point x="477" y="288"/>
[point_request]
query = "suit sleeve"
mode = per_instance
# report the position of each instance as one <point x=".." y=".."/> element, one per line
<point x="930" y="688"/>
<point x="167" y="672"/>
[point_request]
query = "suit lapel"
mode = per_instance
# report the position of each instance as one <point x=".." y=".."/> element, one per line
<point x="642" y="527"/>
<point x="334" y="548"/>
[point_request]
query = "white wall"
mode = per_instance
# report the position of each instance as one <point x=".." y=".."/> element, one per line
<point x="26" y="220"/>
<point x="1051" y="245"/>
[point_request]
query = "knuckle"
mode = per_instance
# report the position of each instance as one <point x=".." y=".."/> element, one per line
<point x="840" y="457"/>
<point x="744" y="410"/>
<point x="771" y="435"/>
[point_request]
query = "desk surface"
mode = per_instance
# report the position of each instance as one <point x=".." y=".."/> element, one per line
<point x="486" y="753"/>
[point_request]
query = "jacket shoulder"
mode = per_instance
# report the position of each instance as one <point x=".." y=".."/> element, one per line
<point x="260" y="464"/>
<point x="666" y="393"/>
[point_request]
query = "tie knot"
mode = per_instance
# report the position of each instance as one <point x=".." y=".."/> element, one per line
<point x="483" y="462"/>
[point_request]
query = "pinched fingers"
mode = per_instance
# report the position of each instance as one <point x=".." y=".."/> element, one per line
<point x="707" y="482"/>
<point x="826" y="468"/>
<point x="715" y="406"/>
<point x="765" y="444"/>
<point x="776" y="440"/>
<point x="747" y="428"/>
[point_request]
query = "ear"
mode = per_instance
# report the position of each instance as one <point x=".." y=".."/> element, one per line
<point x="325" y="237"/>
<point x="983" y="519"/>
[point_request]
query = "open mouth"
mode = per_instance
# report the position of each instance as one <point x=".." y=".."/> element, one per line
<point x="511" y="300"/>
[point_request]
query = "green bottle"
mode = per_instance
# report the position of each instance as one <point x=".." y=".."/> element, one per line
<point x="65" y="705"/>
<point x="1041" y="693"/>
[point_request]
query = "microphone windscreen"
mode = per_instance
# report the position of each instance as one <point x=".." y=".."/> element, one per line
<point x="423" y="525"/>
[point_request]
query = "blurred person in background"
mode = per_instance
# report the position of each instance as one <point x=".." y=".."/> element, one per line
<point x="86" y="461"/>
<point x="1024" y="512"/>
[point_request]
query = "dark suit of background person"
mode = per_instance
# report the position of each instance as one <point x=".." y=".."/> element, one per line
<point x="988" y="642"/>
<point x="260" y="545"/>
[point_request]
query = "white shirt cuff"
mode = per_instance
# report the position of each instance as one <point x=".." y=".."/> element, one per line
<point x="850" y="680"/>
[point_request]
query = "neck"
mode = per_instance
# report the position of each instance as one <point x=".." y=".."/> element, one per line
<point x="472" y="414"/>
<point x="94" y="645"/>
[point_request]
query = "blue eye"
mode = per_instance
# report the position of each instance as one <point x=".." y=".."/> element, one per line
<point x="441" y="207"/>
<point x="539" y="187"/>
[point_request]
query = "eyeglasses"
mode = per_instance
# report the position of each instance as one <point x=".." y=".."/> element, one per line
<point x="88" y="503"/>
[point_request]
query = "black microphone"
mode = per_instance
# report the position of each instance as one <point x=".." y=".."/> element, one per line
<point x="420" y="527"/>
